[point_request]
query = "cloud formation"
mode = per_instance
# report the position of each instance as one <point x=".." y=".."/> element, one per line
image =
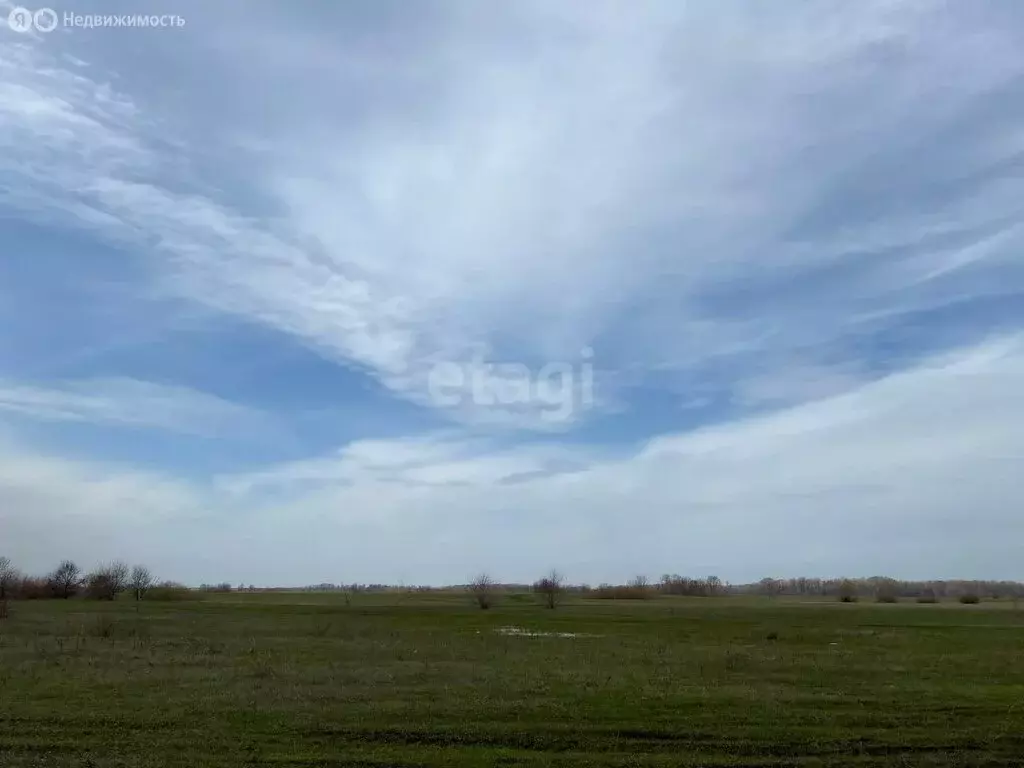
<point x="791" y="240"/>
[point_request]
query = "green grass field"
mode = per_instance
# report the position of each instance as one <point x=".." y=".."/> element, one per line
<point x="295" y="679"/>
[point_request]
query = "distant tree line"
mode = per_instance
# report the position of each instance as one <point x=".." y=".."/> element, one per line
<point x="485" y="591"/>
<point x="67" y="580"/>
<point x="108" y="581"/>
<point x="674" y="584"/>
<point x="884" y="588"/>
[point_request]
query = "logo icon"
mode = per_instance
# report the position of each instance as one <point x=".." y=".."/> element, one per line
<point x="45" y="19"/>
<point x="20" y="19"/>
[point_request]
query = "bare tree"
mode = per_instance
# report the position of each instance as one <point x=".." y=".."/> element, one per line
<point x="639" y="587"/>
<point x="482" y="588"/>
<point x="65" y="580"/>
<point x="550" y="588"/>
<point x="770" y="586"/>
<point x="107" y="581"/>
<point x="140" y="581"/>
<point x="8" y="577"/>
<point x="714" y="586"/>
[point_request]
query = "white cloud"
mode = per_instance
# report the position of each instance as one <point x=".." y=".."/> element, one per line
<point x="595" y="175"/>
<point x="129" y="402"/>
<point x="913" y="475"/>
<point x="713" y="200"/>
<point x="51" y="508"/>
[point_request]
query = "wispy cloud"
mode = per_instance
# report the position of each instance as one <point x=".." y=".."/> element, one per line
<point x="129" y="402"/>
<point x="754" y="195"/>
<point x="790" y="237"/>
<point x="912" y="475"/>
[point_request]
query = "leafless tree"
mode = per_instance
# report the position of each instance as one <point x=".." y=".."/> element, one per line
<point x="550" y="588"/>
<point x="770" y="586"/>
<point x="140" y="581"/>
<point x="65" y="580"/>
<point x="107" y="581"/>
<point x="482" y="589"/>
<point x="8" y="576"/>
<point x="639" y="587"/>
<point x="714" y="586"/>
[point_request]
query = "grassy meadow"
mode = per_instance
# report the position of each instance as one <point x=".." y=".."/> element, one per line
<point x="304" y="679"/>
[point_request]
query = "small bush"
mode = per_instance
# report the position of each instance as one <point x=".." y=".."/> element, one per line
<point x="970" y="599"/>
<point x="886" y="590"/>
<point x="927" y="599"/>
<point x="847" y="591"/>
<point x="482" y="588"/>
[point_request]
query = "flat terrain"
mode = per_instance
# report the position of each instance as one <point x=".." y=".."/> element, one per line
<point x="427" y="680"/>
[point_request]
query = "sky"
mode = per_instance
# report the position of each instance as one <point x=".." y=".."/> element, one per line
<point x="400" y="292"/>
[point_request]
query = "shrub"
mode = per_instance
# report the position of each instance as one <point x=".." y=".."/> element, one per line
<point x="482" y="588"/>
<point x="970" y="599"/>
<point x="927" y="599"/>
<point x="847" y="591"/>
<point x="886" y="598"/>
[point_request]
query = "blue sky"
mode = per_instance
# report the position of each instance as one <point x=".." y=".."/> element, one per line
<point x="775" y="256"/>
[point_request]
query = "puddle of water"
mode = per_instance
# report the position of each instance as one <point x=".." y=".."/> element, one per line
<point x="520" y="632"/>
